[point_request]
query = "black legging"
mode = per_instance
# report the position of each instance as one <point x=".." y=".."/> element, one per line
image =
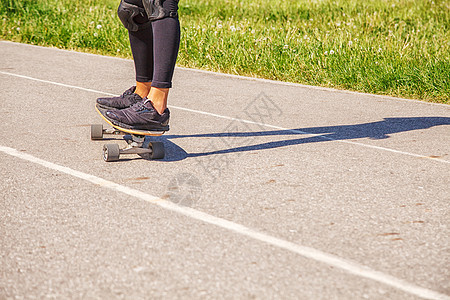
<point x="155" y="48"/>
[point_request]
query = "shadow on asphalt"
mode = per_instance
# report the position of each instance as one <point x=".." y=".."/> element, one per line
<point x="235" y="142"/>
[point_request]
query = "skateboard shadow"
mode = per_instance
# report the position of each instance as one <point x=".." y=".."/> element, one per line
<point x="237" y="141"/>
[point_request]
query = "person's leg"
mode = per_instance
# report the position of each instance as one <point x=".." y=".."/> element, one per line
<point x="155" y="50"/>
<point x="166" y="42"/>
<point x="143" y="88"/>
<point x="141" y="43"/>
<point x="159" y="97"/>
<point x="132" y="14"/>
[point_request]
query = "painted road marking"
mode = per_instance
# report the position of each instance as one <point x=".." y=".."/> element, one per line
<point x="240" y="120"/>
<point x="311" y="253"/>
<point x="257" y="79"/>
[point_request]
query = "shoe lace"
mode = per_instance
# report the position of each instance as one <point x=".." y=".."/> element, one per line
<point x="140" y="106"/>
<point x="137" y="106"/>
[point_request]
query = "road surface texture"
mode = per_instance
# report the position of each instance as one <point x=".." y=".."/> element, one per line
<point x="268" y="190"/>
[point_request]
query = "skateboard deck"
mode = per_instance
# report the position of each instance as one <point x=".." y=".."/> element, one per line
<point x="102" y="112"/>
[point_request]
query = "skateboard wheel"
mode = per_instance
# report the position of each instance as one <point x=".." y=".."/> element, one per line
<point x="111" y="152"/>
<point x="97" y="132"/>
<point x="157" y="150"/>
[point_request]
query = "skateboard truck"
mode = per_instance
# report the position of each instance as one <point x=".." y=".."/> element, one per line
<point x="137" y="144"/>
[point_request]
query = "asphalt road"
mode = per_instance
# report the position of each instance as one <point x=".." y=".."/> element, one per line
<point x="268" y="190"/>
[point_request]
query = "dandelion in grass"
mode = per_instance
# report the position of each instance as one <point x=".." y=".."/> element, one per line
<point x="99" y="26"/>
<point x="331" y="52"/>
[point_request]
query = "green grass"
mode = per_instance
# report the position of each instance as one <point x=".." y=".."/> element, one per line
<point x="389" y="47"/>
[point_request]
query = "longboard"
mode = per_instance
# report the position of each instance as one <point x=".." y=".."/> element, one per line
<point x="137" y="143"/>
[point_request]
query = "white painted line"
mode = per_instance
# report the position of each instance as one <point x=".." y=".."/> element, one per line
<point x="257" y="79"/>
<point x="295" y="131"/>
<point x="311" y="253"/>
<point x="56" y="83"/>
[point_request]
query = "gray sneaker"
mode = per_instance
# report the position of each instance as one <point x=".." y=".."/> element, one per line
<point x="127" y="99"/>
<point x="140" y="116"/>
